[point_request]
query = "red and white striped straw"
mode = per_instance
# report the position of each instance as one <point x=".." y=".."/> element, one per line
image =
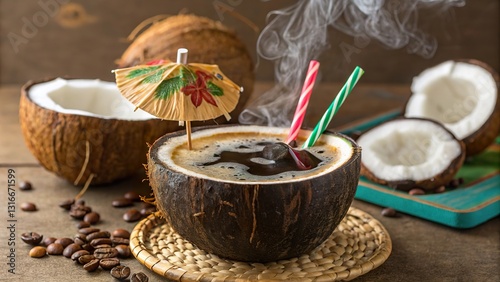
<point x="300" y="112"/>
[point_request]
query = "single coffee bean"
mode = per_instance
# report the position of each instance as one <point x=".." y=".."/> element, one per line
<point x="85" y="259"/>
<point x="71" y="249"/>
<point x="66" y="204"/>
<point x="123" y="251"/>
<point x="82" y="224"/>
<point x="100" y="234"/>
<point x="92" y="218"/>
<point x="91" y="265"/>
<point x="49" y="240"/>
<point x="416" y="192"/>
<point x="88" y="230"/>
<point x="64" y="241"/>
<point x="88" y="247"/>
<point x="139" y="277"/>
<point x="389" y="212"/>
<point x="31" y="238"/>
<point x="79" y="241"/>
<point x="101" y="253"/>
<point x="461" y="180"/>
<point x="80" y="202"/>
<point x="122" y="202"/>
<point x="25" y="186"/>
<point x="109" y="263"/>
<point x="100" y="241"/>
<point x="121" y="233"/>
<point x="132" y="215"/>
<point x="55" y="249"/>
<point x="147" y="211"/>
<point x="76" y="255"/>
<point x="120" y="241"/>
<point x="120" y="272"/>
<point x="133" y="196"/>
<point x="38" y="252"/>
<point x="81" y="236"/>
<point x="102" y="246"/>
<point x="28" y="206"/>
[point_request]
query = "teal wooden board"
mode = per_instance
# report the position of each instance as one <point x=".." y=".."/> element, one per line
<point x="473" y="203"/>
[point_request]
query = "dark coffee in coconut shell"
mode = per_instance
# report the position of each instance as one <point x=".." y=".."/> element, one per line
<point x="224" y="210"/>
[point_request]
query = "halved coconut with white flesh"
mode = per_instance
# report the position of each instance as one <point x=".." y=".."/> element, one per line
<point x="80" y="127"/>
<point x="461" y="95"/>
<point x="410" y="152"/>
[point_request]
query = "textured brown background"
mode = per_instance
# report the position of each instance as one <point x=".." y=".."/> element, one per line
<point x="85" y="37"/>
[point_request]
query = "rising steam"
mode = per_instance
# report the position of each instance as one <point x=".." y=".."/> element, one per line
<point x="297" y="34"/>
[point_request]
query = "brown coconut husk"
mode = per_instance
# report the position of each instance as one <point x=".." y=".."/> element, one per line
<point x="74" y="146"/>
<point x="208" y="42"/>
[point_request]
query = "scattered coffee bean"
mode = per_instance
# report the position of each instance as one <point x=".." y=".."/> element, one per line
<point x="88" y="247"/>
<point x="440" y="189"/>
<point x="109" y="263"/>
<point x="85" y="259"/>
<point x="139" y="277"/>
<point x="416" y="192"/>
<point x="132" y="195"/>
<point x="123" y="251"/>
<point x="31" y="238"/>
<point x="79" y="211"/>
<point x="461" y="180"/>
<point x="29" y="207"/>
<point x="80" y="202"/>
<point x="91" y="265"/>
<point x="122" y="202"/>
<point x="79" y="241"/>
<point x="100" y="234"/>
<point x="120" y="272"/>
<point x="102" y="246"/>
<point x="81" y="236"/>
<point x="132" y="215"/>
<point x="100" y="241"/>
<point x="389" y="212"/>
<point x="64" y="241"/>
<point x="71" y="249"/>
<point x="88" y="230"/>
<point x="454" y="183"/>
<point x="92" y="218"/>
<point x="76" y="255"/>
<point x="101" y="253"/>
<point x="146" y="211"/>
<point x="82" y="224"/>
<point x="38" y="252"/>
<point x="49" y="240"/>
<point x="121" y="233"/>
<point x="66" y="204"/>
<point x="25" y="186"/>
<point x="120" y="241"/>
<point x="55" y="249"/>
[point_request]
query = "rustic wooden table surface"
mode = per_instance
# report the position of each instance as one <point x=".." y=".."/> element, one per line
<point x="422" y="250"/>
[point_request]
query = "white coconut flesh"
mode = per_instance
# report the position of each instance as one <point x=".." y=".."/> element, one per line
<point x="461" y="96"/>
<point x="85" y="97"/>
<point x="408" y="149"/>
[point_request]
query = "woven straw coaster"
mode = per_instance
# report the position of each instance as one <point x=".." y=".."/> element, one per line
<point x="359" y="244"/>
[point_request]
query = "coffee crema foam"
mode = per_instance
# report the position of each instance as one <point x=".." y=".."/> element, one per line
<point x="208" y="144"/>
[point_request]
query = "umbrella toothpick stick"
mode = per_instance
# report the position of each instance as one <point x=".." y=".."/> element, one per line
<point x="182" y="54"/>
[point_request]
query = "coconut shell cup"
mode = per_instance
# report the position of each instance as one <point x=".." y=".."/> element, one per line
<point x="254" y="222"/>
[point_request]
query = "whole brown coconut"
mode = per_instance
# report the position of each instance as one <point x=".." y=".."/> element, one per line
<point x="208" y="42"/>
<point x="259" y="220"/>
<point x="116" y="148"/>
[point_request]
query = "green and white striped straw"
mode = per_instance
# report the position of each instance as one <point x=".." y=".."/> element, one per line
<point x="334" y="107"/>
